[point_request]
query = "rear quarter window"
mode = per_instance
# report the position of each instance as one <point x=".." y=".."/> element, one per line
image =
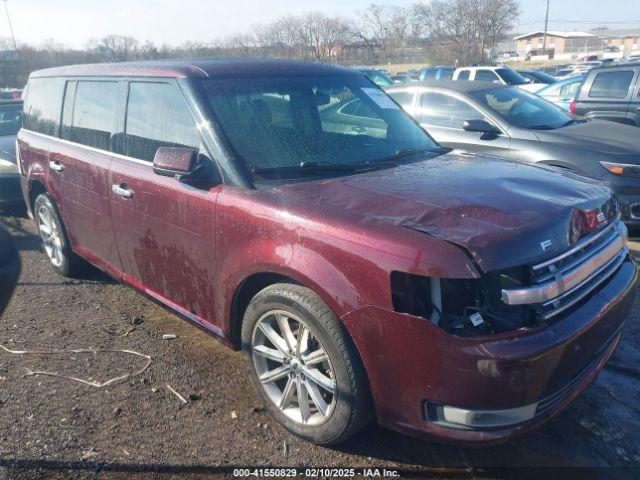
<point x="611" y="84"/>
<point x="43" y="105"/>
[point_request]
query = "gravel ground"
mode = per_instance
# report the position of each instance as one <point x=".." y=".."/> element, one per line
<point x="137" y="427"/>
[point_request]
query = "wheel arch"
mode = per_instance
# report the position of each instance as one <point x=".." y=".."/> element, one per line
<point x="243" y="294"/>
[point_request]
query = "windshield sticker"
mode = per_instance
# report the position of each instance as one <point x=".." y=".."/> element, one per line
<point x="381" y="99"/>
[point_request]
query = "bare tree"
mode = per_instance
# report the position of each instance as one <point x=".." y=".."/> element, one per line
<point x="115" y="48"/>
<point x="466" y="29"/>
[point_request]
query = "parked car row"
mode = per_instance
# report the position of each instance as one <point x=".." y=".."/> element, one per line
<point x="366" y="268"/>
<point x="10" y="123"/>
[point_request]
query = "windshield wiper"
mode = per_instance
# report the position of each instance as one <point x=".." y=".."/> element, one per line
<point x="386" y="161"/>
<point x="405" y="152"/>
<point x="317" y="167"/>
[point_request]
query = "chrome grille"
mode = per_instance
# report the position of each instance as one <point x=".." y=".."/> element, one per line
<point x="561" y="282"/>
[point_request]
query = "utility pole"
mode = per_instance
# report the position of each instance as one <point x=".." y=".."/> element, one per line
<point x="13" y="37"/>
<point x="546" y="27"/>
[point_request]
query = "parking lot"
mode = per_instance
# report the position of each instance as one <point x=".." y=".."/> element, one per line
<point x="66" y="429"/>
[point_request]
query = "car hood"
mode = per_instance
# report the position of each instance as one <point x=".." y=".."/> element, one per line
<point x="597" y="136"/>
<point x="8" y="147"/>
<point x="499" y="211"/>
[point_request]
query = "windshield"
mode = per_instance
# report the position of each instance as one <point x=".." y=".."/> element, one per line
<point x="10" y="119"/>
<point x="542" y="77"/>
<point x="511" y="77"/>
<point x="282" y="126"/>
<point x="523" y="109"/>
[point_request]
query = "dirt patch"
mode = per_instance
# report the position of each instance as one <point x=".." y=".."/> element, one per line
<point x="54" y="427"/>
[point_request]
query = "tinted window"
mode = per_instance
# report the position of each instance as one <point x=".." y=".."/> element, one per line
<point x="446" y="74"/>
<point x="511" y="77"/>
<point x="486" y="76"/>
<point x="43" y="104"/>
<point x="157" y="116"/>
<point x="523" y="109"/>
<point x="430" y="74"/>
<point x="464" y="75"/>
<point x="446" y="111"/>
<point x="570" y="90"/>
<point x="611" y="84"/>
<point x="276" y="125"/>
<point x="92" y="121"/>
<point x="10" y="118"/>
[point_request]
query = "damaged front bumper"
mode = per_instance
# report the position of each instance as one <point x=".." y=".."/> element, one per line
<point x="487" y="389"/>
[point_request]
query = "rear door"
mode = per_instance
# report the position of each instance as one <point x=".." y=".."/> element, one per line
<point x="165" y="228"/>
<point x="607" y="94"/>
<point x="80" y="161"/>
<point x="443" y="115"/>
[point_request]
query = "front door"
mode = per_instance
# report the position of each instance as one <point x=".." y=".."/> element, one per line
<point x="165" y="229"/>
<point x="443" y="116"/>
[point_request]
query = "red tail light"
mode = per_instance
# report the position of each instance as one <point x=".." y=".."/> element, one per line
<point x="572" y="106"/>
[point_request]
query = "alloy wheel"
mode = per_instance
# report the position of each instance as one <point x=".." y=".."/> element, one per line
<point x="51" y="236"/>
<point x="293" y="368"/>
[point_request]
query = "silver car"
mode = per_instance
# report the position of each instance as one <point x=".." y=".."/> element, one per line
<point x="509" y="122"/>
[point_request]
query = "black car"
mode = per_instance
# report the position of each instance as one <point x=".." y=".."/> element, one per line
<point x="10" y="124"/>
<point x="9" y="267"/>
<point x="507" y="121"/>
<point x="611" y="93"/>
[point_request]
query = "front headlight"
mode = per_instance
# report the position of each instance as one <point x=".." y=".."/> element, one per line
<point x="7" y="167"/>
<point x="623" y="169"/>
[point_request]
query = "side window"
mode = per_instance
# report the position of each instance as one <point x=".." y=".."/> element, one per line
<point x="430" y="74"/>
<point x="67" y="109"/>
<point x="404" y="99"/>
<point x="91" y="120"/>
<point x="445" y="74"/>
<point x="157" y="116"/>
<point x="486" y="76"/>
<point x="611" y="84"/>
<point x="464" y="75"/>
<point x="42" y="105"/>
<point x="570" y="90"/>
<point x="443" y="110"/>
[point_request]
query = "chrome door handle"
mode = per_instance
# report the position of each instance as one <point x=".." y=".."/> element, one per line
<point x="56" y="166"/>
<point x="121" y="191"/>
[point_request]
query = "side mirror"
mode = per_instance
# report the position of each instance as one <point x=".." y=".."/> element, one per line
<point x="176" y="162"/>
<point x="480" y="126"/>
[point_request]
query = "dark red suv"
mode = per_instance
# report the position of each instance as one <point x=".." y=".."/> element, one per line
<point x="296" y="212"/>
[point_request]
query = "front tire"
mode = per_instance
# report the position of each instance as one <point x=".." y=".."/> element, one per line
<point x="304" y="366"/>
<point x="55" y="239"/>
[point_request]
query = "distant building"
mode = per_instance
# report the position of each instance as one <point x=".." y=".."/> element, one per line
<point x="564" y="44"/>
<point x="558" y="43"/>
<point x="627" y="40"/>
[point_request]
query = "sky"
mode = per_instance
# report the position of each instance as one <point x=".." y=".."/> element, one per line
<point x="74" y="22"/>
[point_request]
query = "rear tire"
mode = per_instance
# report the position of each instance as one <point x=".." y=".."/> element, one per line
<point x="55" y="239"/>
<point x="294" y="344"/>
